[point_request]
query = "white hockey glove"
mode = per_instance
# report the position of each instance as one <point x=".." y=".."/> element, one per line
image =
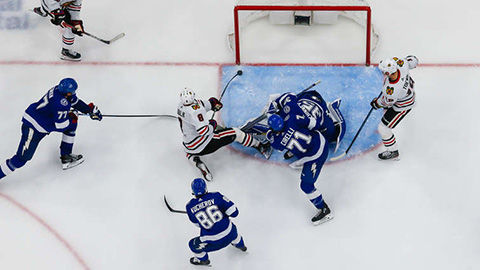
<point x="412" y="61"/>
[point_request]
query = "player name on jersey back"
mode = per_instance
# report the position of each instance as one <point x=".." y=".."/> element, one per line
<point x="199" y="206"/>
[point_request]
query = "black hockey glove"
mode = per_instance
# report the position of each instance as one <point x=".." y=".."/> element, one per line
<point x="216" y="104"/>
<point x="59" y="16"/>
<point x="95" y="113"/>
<point x="77" y="28"/>
<point x="288" y="155"/>
<point x="374" y="104"/>
<point x="213" y="123"/>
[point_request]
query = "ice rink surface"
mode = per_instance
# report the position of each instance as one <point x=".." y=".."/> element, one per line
<point x="108" y="213"/>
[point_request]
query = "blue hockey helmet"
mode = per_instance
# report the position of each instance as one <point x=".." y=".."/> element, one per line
<point x="199" y="187"/>
<point x="276" y="122"/>
<point x="67" y="85"/>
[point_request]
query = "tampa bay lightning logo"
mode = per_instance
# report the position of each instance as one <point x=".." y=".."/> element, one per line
<point x="64" y="102"/>
<point x="311" y="109"/>
<point x="286" y="109"/>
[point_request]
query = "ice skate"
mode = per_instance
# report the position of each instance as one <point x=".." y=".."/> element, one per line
<point x="203" y="168"/>
<point x="196" y="261"/>
<point x="39" y="11"/>
<point x="71" y="160"/>
<point x="323" y="215"/>
<point x="389" y="155"/>
<point x="265" y="149"/>
<point x="244" y="248"/>
<point x="70" y="55"/>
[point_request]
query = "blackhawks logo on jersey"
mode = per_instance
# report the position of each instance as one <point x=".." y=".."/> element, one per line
<point x="196" y="106"/>
<point x="389" y="90"/>
<point x="400" y="62"/>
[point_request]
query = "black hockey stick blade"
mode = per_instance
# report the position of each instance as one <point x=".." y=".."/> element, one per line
<point x="171" y="209"/>
<point x="117" y="37"/>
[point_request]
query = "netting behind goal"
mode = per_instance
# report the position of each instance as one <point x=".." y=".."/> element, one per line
<point x="303" y="13"/>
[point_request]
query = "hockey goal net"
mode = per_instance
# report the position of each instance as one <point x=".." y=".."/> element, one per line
<point x="303" y="13"/>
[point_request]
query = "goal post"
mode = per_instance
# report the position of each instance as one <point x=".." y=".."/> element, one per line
<point x="356" y="10"/>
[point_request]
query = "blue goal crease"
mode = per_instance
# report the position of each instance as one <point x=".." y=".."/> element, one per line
<point x="248" y="94"/>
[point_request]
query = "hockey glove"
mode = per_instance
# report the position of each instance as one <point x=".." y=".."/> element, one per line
<point x="288" y="155"/>
<point x="58" y="16"/>
<point x="374" y="104"/>
<point x="216" y="104"/>
<point x="73" y="117"/>
<point x="95" y="113"/>
<point x="412" y="61"/>
<point x="77" y="27"/>
<point x="213" y="123"/>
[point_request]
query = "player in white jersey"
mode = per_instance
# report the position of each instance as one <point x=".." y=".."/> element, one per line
<point x="200" y="136"/>
<point x="397" y="98"/>
<point x="66" y="14"/>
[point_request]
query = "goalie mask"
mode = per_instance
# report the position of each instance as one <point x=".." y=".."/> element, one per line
<point x="199" y="187"/>
<point x="388" y="67"/>
<point x="187" y="96"/>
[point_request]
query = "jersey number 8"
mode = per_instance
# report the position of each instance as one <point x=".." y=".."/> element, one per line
<point x="209" y="217"/>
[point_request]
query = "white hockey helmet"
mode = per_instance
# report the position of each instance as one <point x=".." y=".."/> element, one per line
<point x="187" y="96"/>
<point x="388" y="66"/>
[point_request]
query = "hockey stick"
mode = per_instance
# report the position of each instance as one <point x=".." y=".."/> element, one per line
<point x="264" y="115"/>
<point x="117" y="37"/>
<point x="356" y="135"/>
<point x="136" y="115"/>
<point x="139" y="115"/>
<point x="171" y="209"/>
<point x="239" y="72"/>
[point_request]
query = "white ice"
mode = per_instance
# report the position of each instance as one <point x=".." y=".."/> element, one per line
<point x="108" y="213"/>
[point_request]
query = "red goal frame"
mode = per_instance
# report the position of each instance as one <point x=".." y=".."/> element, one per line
<point x="302" y="8"/>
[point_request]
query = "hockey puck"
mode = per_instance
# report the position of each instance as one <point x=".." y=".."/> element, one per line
<point x="239" y="72"/>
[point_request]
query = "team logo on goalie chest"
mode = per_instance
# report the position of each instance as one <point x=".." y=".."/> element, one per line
<point x="389" y="90"/>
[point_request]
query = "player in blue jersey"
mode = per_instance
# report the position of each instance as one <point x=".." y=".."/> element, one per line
<point x="211" y="211"/>
<point x="56" y="111"/>
<point x="304" y="126"/>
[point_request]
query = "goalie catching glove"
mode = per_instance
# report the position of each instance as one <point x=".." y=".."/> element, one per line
<point x="216" y="104"/>
<point x="95" y="113"/>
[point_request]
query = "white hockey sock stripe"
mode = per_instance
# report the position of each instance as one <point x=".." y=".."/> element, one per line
<point x="5" y="169"/>
<point x="315" y="194"/>
<point x="200" y="255"/>
<point x="68" y="139"/>
<point x="237" y="240"/>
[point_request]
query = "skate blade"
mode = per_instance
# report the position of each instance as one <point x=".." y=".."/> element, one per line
<point x="72" y="164"/>
<point x="267" y="154"/>
<point x="323" y="220"/>
<point x="205" y="172"/>
<point x="66" y="58"/>
<point x="391" y="159"/>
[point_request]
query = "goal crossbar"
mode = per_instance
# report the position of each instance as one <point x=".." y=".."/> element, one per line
<point x="301" y="8"/>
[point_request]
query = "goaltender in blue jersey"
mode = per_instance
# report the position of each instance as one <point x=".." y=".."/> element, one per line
<point x="211" y="211"/>
<point x="305" y="126"/>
